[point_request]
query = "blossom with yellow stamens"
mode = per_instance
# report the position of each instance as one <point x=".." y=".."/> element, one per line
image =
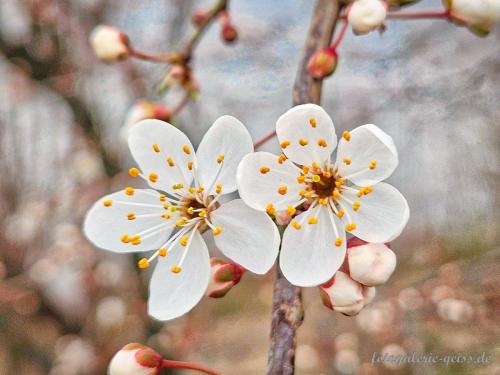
<point x="339" y="195"/>
<point x="169" y="219"/>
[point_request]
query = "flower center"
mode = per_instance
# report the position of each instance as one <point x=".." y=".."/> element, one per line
<point x="324" y="183"/>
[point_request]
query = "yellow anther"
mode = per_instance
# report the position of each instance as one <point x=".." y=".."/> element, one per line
<point x="346" y="161"/>
<point x="323" y="201"/>
<point x="301" y="179"/>
<point x="153" y="177"/>
<point x="270" y="209"/>
<point x="346" y="135"/>
<point x="373" y="164"/>
<point x="173" y="208"/>
<point x="303" y="192"/>
<point x="309" y="194"/>
<point x="340" y="213"/>
<point x="134" y="172"/>
<point x="190" y="210"/>
<point x="338" y="241"/>
<point x="131" y="216"/>
<point x="186" y="149"/>
<point x="316" y="178"/>
<point x="296" y="225"/>
<point x="156" y="148"/>
<point x="163" y="197"/>
<point x="282" y="190"/>
<point x="176" y="269"/>
<point x="303" y="142"/>
<point x="220" y="158"/>
<point x="162" y="252"/>
<point x="166" y="216"/>
<point x="125" y="238"/>
<point x="315" y="165"/>
<point x="284" y="144"/>
<point x="291" y="210"/>
<point x="129" y="190"/>
<point x="350" y="227"/>
<point x="281" y="158"/>
<point x="202" y="213"/>
<point x="180" y="223"/>
<point x="217" y="231"/>
<point x="190" y="165"/>
<point x="200" y="189"/>
<point x="135" y="241"/>
<point x="177" y="186"/>
<point x="336" y="195"/>
<point x="312" y="122"/>
<point x="264" y="170"/>
<point x="143" y="263"/>
<point x="312" y="220"/>
<point x="339" y="182"/>
<point x="192" y="190"/>
<point x="356" y="205"/>
<point x="368" y="190"/>
<point x="322" y="143"/>
<point x="170" y="162"/>
<point x="184" y="241"/>
<point x="305" y="169"/>
<point x="218" y="188"/>
<point x="166" y="206"/>
<point x="107" y="203"/>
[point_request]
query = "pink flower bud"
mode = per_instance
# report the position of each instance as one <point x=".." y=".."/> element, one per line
<point x="199" y="16"/>
<point x="229" y="33"/>
<point x="109" y="43"/>
<point x="135" y="359"/>
<point x="224" y="277"/>
<point x="143" y="110"/>
<point x="323" y="63"/>
<point x="343" y="294"/>
<point x="370" y="263"/>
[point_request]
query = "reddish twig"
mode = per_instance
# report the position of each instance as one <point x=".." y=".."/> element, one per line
<point x="264" y="139"/>
<point x="341" y="35"/>
<point x="189" y="366"/>
<point x="419" y="15"/>
<point x="170" y="58"/>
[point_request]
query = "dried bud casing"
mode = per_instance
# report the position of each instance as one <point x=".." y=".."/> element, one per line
<point x="224" y="277"/>
<point x="135" y="359"/>
<point x="323" y="63"/>
<point x="343" y="294"/>
<point x="369" y="263"/>
<point x="366" y="15"/>
<point x="109" y="43"/>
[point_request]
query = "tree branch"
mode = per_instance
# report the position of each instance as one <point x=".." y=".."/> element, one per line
<point x="287" y="301"/>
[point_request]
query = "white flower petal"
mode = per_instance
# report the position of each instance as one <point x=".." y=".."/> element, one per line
<point x="309" y="256"/>
<point x="227" y="137"/>
<point x="382" y="216"/>
<point x="310" y="123"/>
<point x="170" y="143"/>
<point x="259" y="189"/>
<point x="368" y="143"/>
<point x="174" y="294"/>
<point x="105" y="226"/>
<point x="249" y="237"/>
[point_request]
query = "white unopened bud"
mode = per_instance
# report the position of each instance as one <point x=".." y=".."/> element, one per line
<point x="370" y="263"/>
<point x="109" y="43"/>
<point x="343" y="294"/>
<point x="366" y="15"/>
<point x="135" y="359"/>
<point x="479" y="15"/>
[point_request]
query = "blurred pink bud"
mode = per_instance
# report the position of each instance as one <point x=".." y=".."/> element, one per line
<point x="143" y="110"/>
<point x="229" y="33"/>
<point x="199" y="16"/>
<point x="343" y="294"/>
<point x="455" y="310"/>
<point x="135" y="359"/>
<point x="370" y="263"/>
<point x="224" y="277"/>
<point x="323" y="63"/>
<point x="109" y="43"/>
<point x="369" y="294"/>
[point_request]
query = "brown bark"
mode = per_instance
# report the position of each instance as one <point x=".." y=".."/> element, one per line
<point x="287" y="301"/>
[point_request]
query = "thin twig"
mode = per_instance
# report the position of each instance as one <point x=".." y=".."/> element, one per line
<point x="189" y="366"/>
<point x="419" y="15"/>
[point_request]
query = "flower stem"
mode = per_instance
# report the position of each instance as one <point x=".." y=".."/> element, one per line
<point x="188" y="366"/>
<point x="264" y="139"/>
<point x="341" y="35"/>
<point x="419" y="15"/>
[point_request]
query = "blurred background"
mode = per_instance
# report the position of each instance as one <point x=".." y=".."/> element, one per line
<point x="66" y="307"/>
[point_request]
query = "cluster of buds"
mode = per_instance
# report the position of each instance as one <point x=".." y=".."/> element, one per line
<point x="478" y="15"/>
<point x="367" y="265"/>
<point x="224" y="277"/>
<point x="109" y="43"/>
<point x="365" y="16"/>
<point x="137" y="359"/>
